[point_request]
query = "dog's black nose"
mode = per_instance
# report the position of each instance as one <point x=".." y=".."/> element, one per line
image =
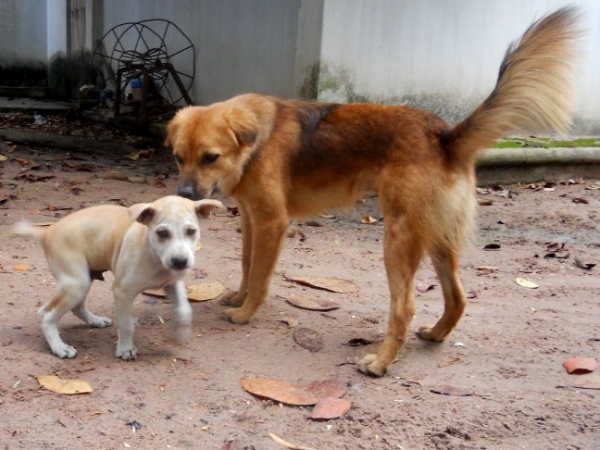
<point x="179" y="262"/>
<point x="186" y="190"/>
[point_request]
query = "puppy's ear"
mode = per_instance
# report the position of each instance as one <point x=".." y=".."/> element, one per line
<point x="142" y="213"/>
<point x="204" y="207"/>
<point x="244" y="125"/>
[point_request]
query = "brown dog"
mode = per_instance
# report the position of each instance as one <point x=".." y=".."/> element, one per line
<point x="291" y="158"/>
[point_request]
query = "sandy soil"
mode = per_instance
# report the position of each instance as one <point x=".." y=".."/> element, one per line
<point x="507" y="351"/>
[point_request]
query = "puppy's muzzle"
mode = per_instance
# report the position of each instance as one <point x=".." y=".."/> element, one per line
<point x="179" y="262"/>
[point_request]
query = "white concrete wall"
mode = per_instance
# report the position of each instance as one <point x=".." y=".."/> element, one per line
<point x="440" y="54"/>
<point x="22" y="32"/>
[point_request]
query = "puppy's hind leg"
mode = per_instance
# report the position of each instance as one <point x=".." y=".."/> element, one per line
<point x="90" y="318"/>
<point x="182" y="311"/>
<point x="70" y="293"/>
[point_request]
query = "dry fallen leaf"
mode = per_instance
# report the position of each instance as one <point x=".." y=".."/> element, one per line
<point x="279" y="391"/>
<point x="333" y="388"/>
<point x="329" y="284"/>
<point x="313" y="304"/>
<point x="451" y="390"/>
<point x="288" y="444"/>
<point x="585" y="382"/>
<point x="204" y="291"/>
<point x="330" y="408"/>
<point x="580" y="365"/>
<point x="155" y="293"/>
<point x="308" y="339"/>
<point x="64" y="386"/>
<point x="21" y="267"/>
<point x="291" y="321"/>
<point x="526" y="283"/>
<point x="424" y="287"/>
<point x="368" y="220"/>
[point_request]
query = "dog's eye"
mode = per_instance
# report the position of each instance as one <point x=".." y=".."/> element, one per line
<point x="163" y="234"/>
<point x="209" y="158"/>
<point x="190" y="231"/>
<point x="178" y="160"/>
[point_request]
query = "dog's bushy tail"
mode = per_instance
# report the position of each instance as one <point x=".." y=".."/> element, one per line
<point x="533" y="93"/>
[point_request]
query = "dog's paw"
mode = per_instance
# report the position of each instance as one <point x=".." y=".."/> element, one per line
<point x="64" y="351"/>
<point x="127" y="353"/>
<point x="100" y="322"/>
<point x="428" y="334"/>
<point x="233" y="298"/>
<point x="237" y="316"/>
<point x="369" y="365"/>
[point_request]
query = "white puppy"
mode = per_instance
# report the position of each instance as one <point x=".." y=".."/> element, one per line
<point x="145" y="246"/>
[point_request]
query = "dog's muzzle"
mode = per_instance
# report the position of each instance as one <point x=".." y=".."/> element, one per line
<point x="187" y="189"/>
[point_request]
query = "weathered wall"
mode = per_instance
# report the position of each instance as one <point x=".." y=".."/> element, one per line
<point x="240" y="45"/>
<point x="440" y="54"/>
<point x="22" y="42"/>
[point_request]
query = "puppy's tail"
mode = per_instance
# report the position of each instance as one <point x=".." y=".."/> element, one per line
<point x="25" y="228"/>
<point x="533" y="93"/>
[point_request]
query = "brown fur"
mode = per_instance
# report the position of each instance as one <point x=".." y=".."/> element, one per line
<point x="290" y="158"/>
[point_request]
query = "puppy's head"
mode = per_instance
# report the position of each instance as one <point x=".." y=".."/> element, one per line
<point x="174" y="228"/>
<point x="212" y="145"/>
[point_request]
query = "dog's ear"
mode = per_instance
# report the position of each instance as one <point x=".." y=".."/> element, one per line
<point x="171" y="131"/>
<point x="204" y="207"/>
<point x="244" y="126"/>
<point x="142" y="213"/>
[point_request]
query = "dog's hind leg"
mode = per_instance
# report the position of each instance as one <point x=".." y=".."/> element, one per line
<point x="403" y="252"/>
<point x="445" y="262"/>
<point x="70" y="293"/>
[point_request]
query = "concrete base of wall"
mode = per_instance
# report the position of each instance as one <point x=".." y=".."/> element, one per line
<point x="529" y="165"/>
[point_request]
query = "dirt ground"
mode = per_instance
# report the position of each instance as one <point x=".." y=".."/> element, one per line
<point x="507" y="351"/>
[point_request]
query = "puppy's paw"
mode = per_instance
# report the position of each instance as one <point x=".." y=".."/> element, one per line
<point x="237" y="316"/>
<point x="100" y="322"/>
<point x="181" y="334"/>
<point x="64" y="351"/>
<point x="428" y="334"/>
<point x="126" y="353"/>
<point x="369" y="365"/>
<point x="233" y="298"/>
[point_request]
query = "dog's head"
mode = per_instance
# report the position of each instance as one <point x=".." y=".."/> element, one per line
<point x="173" y="227"/>
<point x="212" y="144"/>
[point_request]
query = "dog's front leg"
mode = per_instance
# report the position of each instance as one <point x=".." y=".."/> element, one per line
<point x="125" y="323"/>
<point x="182" y="311"/>
<point x="264" y="248"/>
<point x="236" y="298"/>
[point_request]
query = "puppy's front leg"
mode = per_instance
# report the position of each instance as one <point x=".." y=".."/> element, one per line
<point x="267" y="238"/>
<point x="125" y="322"/>
<point x="182" y="311"/>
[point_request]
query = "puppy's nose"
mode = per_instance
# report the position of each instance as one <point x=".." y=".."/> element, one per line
<point x="186" y="190"/>
<point x="179" y="262"/>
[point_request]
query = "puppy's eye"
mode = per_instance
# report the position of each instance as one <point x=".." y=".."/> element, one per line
<point x="190" y="231"/>
<point x="178" y="160"/>
<point x="163" y="234"/>
<point x="209" y="158"/>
